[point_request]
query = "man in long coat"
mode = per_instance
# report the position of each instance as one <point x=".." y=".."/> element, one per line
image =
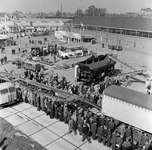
<point x="80" y="124"/>
<point x="65" y="114"/>
<point x="38" y="101"/>
<point x="113" y="140"/>
<point x="51" y="110"/>
<point x="100" y="132"/>
<point x="61" y="112"/>
<point x="48" y="107"/>
<point x="42" y="102"/>
<point x="56" y="111"/>
<point x="94" y="130"/>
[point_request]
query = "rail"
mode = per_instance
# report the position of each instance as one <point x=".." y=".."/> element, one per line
<point x="60" y="93"/>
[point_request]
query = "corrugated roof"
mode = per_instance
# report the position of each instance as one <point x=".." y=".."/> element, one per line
<point x="100" y="64"/>
<point x="135" y="23"/>
<point x="130" y="96"/>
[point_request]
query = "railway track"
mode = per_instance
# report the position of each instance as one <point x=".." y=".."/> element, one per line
<point x="47" y="91"/>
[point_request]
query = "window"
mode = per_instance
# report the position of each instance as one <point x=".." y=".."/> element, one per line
<point x="11" y="89"/>
<point x="4" y="91"/>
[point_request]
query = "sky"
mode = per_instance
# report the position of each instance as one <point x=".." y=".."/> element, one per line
<point x="113" y="6"/>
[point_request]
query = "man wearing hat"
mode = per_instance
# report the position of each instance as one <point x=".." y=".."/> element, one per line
<point x="42" y="101"/>
<point x="38" y="101"/>
<point x="52" y="111"/>
<point x="100" y="132"/>
<point x="104" y="135"/>
<point x="65" y="113"/>
<point x="61" y="112"/>
<point x="94" y="130"/>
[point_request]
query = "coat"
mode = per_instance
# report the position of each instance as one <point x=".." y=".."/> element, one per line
<point x="71" y="123"/>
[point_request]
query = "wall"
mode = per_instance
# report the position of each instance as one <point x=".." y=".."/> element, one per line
<point x="125" y="40"/>
<point x="128" y="113"/>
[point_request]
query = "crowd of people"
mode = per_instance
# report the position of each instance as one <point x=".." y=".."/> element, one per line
<point x="3" y="60"/>
<point x="109" y="131"/>
<point x="93" y="93"/>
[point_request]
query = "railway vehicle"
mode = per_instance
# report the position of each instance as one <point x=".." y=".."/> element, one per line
<point x="72" y="51"/>
<point x="93" y="68"/>
<point x="128" y="106"/>
<point x="115" y="47"/>
<point x="33" y="66"/>
<point x="7" y="93"/>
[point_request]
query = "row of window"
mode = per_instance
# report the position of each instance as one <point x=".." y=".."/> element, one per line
<point x="118" y="31"/>
<point x="120" y="101"/>
<point x="5" y="91"/>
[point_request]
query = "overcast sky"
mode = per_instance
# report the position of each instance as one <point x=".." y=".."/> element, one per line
<point x="113" y="6"/>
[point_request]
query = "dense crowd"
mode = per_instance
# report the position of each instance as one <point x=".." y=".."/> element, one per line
<point x="111" y="132"/>
<point x="93" y="92"/>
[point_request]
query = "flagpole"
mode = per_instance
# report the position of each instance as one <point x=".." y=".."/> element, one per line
<point x="5" y="22"/>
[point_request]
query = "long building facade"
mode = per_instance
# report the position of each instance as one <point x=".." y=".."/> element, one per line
<point x="131" y="32"/>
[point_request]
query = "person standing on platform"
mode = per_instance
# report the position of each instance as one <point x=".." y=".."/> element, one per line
<point x="25" y="95"/>
<point x="61" y="112"/>
<point x="32" y="97"/>
<point x="74" y="122"/>
<point x="42" y="102"/>
<point x="38" y="101"/>
<point x="100" y="132"/>
<point x="45" y="104"/>
<point x="113" y="140"/>
<point x="28" y="96"/>
<point x="109" y="137"/>
<point x="71" y="125"/>
<point x="65" y="114"/>
<point x="56" y="111"/>
<point x="104" y="135"/>
<point x="69" y="113"/>
<point x="35" y="98"/>
<point x="86" y="133"/>
<point x="94" y="130"/>
<point x="52" y="110"/>
<point x="48" y="107"/>
<point x="80" y="124"/>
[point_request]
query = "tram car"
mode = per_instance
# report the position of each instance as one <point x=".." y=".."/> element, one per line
<point x="94" y="68"/>
<point x="7" y="93"/>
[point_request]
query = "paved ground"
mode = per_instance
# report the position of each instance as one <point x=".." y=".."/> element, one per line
<point x="136" y="58"/>
<point x="50" y="133"/>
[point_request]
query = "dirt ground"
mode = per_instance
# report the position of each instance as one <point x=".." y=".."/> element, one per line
<point x="13" y="139"/>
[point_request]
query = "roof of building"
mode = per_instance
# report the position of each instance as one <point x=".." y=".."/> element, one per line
<point x="105" y="62"/>
<point x="5" y="85"/>
<point x="130" y="96"/>
<point x="130" y="23"/>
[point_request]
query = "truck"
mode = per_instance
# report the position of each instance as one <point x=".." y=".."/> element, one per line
<point x="128" y="106"/>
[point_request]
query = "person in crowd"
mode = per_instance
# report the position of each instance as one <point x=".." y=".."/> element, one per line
<point x="71" y="122"/>
<point x="94" y="129"/>
<point x="65" y="113"/>
<point x="148" y="89"/>
<point x="100" y="132"/>
<point x="52" y="110"/>
<point x="104" y="135"/>
<point x="85" y="132"/>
